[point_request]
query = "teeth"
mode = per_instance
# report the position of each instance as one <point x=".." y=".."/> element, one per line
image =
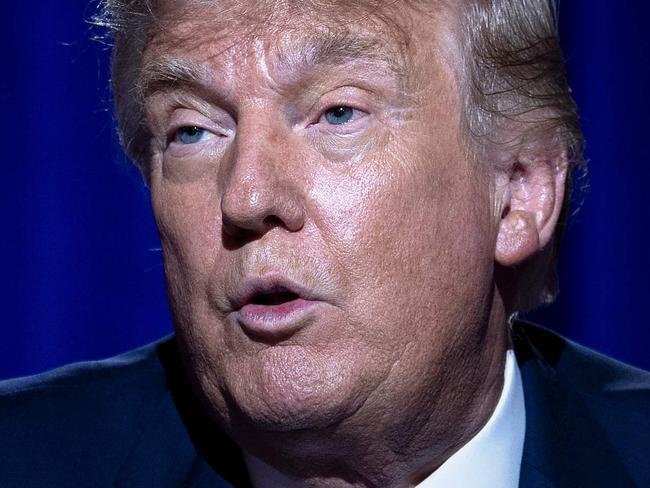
<point x="276" y="298"/>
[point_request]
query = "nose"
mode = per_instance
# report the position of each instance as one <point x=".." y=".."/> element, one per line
<point x="261" y="192"/>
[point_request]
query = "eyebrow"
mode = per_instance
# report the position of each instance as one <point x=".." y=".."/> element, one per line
<point x="317" y="50"/>
<point x="168" y="73"/>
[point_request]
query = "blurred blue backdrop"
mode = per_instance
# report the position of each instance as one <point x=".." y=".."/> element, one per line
<point x="83" y="275"/>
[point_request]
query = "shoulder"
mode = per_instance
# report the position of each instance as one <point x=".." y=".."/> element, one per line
<point x="79" y="414"/>
<point x="614" y="394"/>
<point x="591" y="374"/>
<point x="124" y="367"/>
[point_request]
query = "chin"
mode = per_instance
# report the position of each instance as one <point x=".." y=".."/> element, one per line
<point x="288" y="388"/>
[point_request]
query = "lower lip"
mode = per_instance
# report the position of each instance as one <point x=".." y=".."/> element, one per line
<point x="275" y="321"/>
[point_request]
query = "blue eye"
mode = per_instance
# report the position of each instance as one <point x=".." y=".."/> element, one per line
<point x="339" y="115"/>
<point x="189" y="135"/>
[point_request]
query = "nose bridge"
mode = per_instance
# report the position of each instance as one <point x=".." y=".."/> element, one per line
<point x="258" y="192"/>
<point x="254" y="165"/>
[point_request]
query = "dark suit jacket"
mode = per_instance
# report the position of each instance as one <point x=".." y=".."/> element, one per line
<point x="132" y="421"/>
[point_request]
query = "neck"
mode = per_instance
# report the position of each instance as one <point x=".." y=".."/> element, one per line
<point x="394" y="447"/>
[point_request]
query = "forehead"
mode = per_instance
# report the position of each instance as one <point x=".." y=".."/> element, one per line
<point x="254" y="17"/>
<point x="300" y="32"/>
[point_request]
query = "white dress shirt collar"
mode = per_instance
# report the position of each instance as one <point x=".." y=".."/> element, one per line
<point x="493" y="456"/>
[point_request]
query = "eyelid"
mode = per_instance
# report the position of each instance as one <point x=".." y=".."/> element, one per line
<point x="201" y="115"/>
<point x="173" y="136"/>
<point x="184" y="99"/>
<point x="191" y="118"/>
<point x="359" y="117"/>
<point x="323" y="113"/>
<point x="355" y="97"/>
<point x="172" y="130"/>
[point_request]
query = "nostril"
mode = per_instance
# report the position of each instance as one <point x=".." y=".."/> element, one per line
<point x="237" y="232"/>
<point x="272" y="221"/>
<point x="242" y="232"/>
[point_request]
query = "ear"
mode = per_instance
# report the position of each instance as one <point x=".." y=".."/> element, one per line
<point x="531" y="202"/>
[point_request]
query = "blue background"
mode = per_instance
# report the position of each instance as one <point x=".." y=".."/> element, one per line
<point x="81" y="272"/>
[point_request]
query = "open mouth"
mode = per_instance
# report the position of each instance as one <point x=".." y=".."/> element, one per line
<point x="274" y="308"/>
<point x="274" y="295"/>
<point x="274" y="298"/>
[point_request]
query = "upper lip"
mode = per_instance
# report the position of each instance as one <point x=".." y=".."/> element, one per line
<point x="251" y="287"/>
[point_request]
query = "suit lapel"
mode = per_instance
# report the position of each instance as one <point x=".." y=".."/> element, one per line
<point x="564" y="444"/>
<point x="179" y="445"/>
<point x="164" y="455"/>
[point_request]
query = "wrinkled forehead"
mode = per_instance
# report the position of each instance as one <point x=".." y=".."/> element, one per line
<point x="295" y="31"/>
<point x="256" y="17"/>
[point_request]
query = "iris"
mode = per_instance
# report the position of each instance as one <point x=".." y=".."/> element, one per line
<point x="339" y="115"/>
<point x="189" y="135"/>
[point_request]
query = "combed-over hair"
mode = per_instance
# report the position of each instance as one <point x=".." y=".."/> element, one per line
<point x="512" y="80"/>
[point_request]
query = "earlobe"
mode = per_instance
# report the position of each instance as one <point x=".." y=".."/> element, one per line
<point x="517" y="239"/>
<point x="535" y="195"/>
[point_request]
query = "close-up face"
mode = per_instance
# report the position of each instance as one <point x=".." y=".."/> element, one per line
<point x="328" y="242"/>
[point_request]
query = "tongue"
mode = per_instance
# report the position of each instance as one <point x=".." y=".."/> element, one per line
<point x="274" y="298"/>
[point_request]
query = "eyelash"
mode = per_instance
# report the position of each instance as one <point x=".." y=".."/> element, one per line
<point x="355" y="115"/>
<point x="173" y="134"/>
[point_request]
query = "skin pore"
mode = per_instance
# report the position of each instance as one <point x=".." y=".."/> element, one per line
<point x="322" y="146"/>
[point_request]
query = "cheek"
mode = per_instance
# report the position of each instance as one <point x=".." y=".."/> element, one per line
<point x="412" y="236"/>
<point x="188" y="220"/>
<point x="343" y="202"/>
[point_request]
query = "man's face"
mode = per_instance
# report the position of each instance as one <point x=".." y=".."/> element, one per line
<point x="328" y="244"/>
